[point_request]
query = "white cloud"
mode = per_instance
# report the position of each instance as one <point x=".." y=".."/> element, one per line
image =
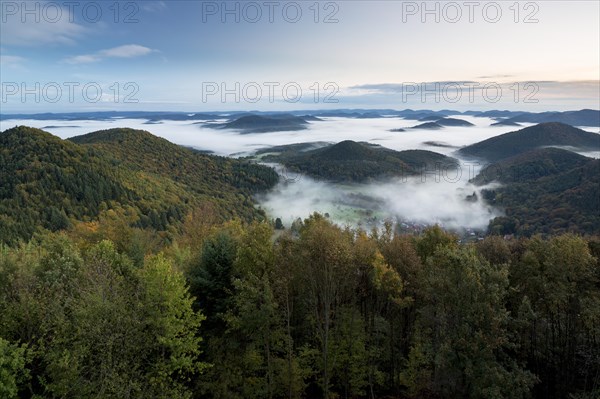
<point x="125" y="51"/>
<point x="153" y="6"/>
<point x="82" y="59"/>
<point x="41" y="32"/>
<point x="11" y="60"/>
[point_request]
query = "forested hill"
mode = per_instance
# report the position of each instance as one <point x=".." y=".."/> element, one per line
<point x="544" y="134"/>
<point x="349" y="161"/>
<point x="226" y="309"/>
<point x="204" y="174"/>
<point x="265" y="123"/>
<point x="531" y="165"/>
<point x="549" y="191"/>
<point x="49" y="183"/>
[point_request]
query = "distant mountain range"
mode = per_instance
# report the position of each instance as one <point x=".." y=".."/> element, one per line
<point x="584" y="117"/>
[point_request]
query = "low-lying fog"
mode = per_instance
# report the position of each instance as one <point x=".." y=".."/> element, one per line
<point x="231" y="143"/>
<point x="432" y="198"/>
<point x="416" y="201"/>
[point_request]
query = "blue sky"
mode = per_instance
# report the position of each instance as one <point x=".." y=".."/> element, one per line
<point x="269" y="55"/>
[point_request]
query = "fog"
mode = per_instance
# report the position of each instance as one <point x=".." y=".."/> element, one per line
<point x="412" y="200"/>
<point x="423" y="200"/>
<point x="231" y="143"/>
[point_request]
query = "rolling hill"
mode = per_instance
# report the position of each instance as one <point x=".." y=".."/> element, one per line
<point x="542" y="135"/>
<point x="428" y="126"/>
<point x="49" y="183"/>
<point x="429" y="118"/>
<point x="442" y="121"/>
<point x="453" y="122"/>
<point x="549" y="191"/>
<point x="264" y="123"/>
<point x="505" y="122"/>
<point x="531" y="165"/>
<point x="349" y="161"/>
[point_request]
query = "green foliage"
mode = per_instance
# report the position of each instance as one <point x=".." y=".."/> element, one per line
<point x="319" y="312"/>
<point x="462" y="328"/>
<point x="278" y="224"/>
<point x="548" y="191"/>
<point x="211" y="279"/>
<point x="433" y="239"/>
<point x="349" y="161"/>
<point x="167" y="311"/>
<point x="351" y="368"/>
<point x="46" y="180"/>
<point x="531" y="166"/>
<point x="95" y="325"/>
<point x="49" y="183"/>
<point x="13" y="372"/>
<point x="556" y="302"/>
<point x="541" y="135"/>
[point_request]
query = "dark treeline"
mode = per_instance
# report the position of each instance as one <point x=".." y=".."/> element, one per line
<point x="236" y="311"/>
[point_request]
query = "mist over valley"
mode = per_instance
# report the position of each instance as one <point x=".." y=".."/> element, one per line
<point x="389" y="169"/>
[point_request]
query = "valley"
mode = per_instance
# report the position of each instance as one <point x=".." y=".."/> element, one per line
<point x="353" y="168"/>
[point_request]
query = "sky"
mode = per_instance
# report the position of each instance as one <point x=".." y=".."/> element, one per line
<point x="66" y="56"/>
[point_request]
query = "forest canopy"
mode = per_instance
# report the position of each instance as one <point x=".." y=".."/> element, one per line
<point x="229" y="311"/>
<point x="154" y="276"/>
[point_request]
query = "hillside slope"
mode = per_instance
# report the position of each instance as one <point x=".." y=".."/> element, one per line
<point x="49" y="183"/>
<point x="542" y="135"/>
<point x="548" y="191"/>
<point x="349" y="161"/>
<point x="531" y="165"/>
<point x="252" y="123"/>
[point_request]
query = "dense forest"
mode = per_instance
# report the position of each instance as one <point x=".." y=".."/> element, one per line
<point x="134" y="268"/>
<point x="228" y="311"/>
<point x="544" y="191"/>
<point x="351" y="162"/>
<point x="48" y="183"/>
<point x="530" y="138"/>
